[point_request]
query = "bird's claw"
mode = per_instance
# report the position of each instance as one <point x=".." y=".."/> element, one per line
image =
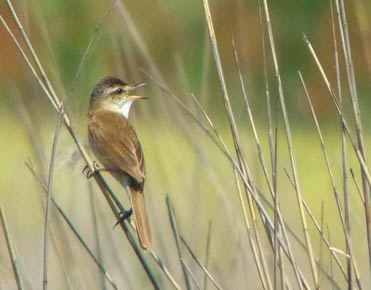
<point x="88" y="172"/>
<point x="123" y="216"/>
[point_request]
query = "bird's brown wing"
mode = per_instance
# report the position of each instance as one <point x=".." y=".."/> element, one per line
<point x="117" y="143"/>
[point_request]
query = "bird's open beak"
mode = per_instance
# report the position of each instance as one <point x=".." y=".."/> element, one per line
<point x="134" y="98"/>
<point x="135" y="87"/>
<point x="139" y="85"/>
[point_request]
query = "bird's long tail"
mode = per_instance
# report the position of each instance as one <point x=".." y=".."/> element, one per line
<point x="141" y="218"/>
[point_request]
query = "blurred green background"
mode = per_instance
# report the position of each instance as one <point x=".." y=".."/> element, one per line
<point x="168" y="41"/>
<point x="173" y="33"/>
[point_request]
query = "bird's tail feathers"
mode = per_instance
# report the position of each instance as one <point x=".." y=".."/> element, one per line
<point x="141" y="218"/>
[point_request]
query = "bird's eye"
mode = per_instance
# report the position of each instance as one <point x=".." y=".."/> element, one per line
<point x="119" y="90"/>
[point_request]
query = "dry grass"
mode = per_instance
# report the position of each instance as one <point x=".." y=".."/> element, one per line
<point x="241" y="210"/>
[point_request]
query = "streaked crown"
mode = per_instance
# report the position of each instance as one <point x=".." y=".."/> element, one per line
<point x="109" y="86"/>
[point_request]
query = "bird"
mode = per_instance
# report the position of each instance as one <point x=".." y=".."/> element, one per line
<point x="115" y="143"/>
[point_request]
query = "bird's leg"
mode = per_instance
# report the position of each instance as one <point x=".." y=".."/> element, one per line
<point x="89" y="173"/>
<point x="125" y="214"/>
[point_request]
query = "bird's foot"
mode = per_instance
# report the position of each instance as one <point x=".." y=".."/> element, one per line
<point x="90" y="173"/>
<point x="123" y="216"/>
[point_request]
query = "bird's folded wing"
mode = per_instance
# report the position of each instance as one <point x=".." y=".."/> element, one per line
<point x="116" y="140"/>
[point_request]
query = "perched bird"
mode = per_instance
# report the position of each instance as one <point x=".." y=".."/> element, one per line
<point x="115" y="143"/>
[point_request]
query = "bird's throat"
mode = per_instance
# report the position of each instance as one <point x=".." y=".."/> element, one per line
<point x="124" y="108"/>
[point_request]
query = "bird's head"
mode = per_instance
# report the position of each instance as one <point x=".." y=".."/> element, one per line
<point x="114" y="94"/>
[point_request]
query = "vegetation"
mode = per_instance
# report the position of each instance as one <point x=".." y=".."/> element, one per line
<point x="255" y="137"/>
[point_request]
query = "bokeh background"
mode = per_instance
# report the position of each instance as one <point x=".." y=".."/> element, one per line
<point x="79" y="42"/>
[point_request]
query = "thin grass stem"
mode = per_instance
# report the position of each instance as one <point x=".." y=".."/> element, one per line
<point x="189" y="271"/>
<point x="9" y="244"/>
<point x="208" y="244"/>
<point x="343" y="28"/>
<point x="236" y="138"/>
<point x="73" y="229"/>
<point x="174" y="228"/>
<point x="48" y="199"/>
<point x="194" y="256"/>
<point x="290" y="148"/>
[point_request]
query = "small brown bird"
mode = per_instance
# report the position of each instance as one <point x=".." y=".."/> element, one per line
<point x="116" y="145"/>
